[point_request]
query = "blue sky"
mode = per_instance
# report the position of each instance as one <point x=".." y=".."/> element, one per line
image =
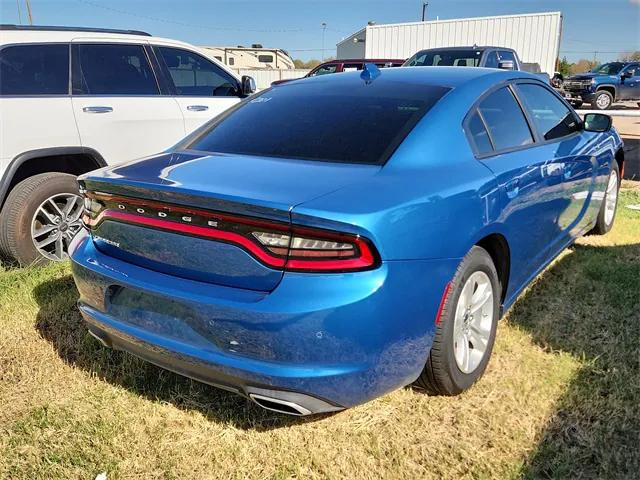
<point x="606" y="26"/>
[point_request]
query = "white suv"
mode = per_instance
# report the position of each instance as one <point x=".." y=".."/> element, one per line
<point x="76" y="99"/>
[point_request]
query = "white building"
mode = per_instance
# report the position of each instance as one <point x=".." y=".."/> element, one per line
<point x="536" y="37"/>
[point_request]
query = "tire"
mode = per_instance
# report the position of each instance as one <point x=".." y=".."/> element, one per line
<point x="602" y="100"/>
<point x="18" y="218"/>
<point x="605" y="219"/>
<point x="442" y="374"/>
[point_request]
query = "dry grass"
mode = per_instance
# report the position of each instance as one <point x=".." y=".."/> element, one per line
<point x="560" y="397"/>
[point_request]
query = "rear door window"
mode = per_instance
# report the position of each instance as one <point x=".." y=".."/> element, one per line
<point x="34" y="70"/>
<point x="551" y="118"/>
<point x="113" y="69"/>
<point x="194" y="75"/>
<point x="504" y="119"/>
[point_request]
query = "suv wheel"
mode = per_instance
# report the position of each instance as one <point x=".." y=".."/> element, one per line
<point x="41" y="216"/>
<point x="464" y="337"/>
<point x="602" y="100"/>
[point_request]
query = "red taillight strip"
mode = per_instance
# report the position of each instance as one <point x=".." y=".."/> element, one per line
<point x="223" y="235"/>
<point x="296" y="258"/>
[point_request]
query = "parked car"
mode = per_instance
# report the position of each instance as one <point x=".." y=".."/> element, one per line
<point x="604" y="85"/>
<point x="313" y="262"/>
<point x="126" y="95"/>
<point x="473" y="56"/>
<point x="345" y="65"/>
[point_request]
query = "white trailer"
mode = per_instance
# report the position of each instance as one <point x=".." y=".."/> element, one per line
<point x="535" y="36"/>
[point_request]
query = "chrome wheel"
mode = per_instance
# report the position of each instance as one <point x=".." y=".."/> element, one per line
<point x="473" y="322"/>
<point x="56" y="221"/>
<point x="611" y="198"/>
<point x="603" y="101"/>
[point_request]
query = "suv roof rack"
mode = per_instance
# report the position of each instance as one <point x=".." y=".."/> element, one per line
<point x="71" y="29"/>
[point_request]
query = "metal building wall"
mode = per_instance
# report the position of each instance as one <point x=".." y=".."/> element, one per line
<point x="536" y="37"/>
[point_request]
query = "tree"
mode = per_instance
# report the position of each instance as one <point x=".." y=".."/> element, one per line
<point x="583" y="65"/>
<point x="564" y="67"/>
<point x="630" y="56"/>
<point x="306" y="65"/>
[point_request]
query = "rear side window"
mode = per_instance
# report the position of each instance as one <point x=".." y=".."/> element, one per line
<point x="34" y="70"/>
<point x="551" y="117"/>
<point x="322" y="121"/>
<point x="504" y="119"/>
<point x="113" y="69"/>
<point x="479" y="135"/>
<point x="194" y="75"/>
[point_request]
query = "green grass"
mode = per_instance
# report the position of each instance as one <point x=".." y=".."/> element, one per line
<point x="560" y="399"/>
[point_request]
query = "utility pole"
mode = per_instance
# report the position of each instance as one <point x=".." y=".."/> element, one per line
<point x="19" y="12"/>
<point x="29" y="12"/>
<point x="424" y="10"/>
<point x="324" y="29"/>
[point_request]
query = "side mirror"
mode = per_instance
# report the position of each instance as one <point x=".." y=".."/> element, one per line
<point x="506" y="65"/>
<point x="627" y="74"/>
<point x="597" y="122"/>
<point x="247" y="85"/>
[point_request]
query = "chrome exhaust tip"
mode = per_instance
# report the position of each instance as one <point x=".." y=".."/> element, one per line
<point x="280" y="406"/>
<point x="98" y="337"/>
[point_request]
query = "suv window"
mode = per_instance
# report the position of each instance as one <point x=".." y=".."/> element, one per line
<point x="34" y="70"/>
<point x="294" y="123"/>
<point x="633" y="70"/>
<point x="504" y="119"/>
<point x="114" y="69"/>
<point x="552" y="118"/>
<point x="507" y="55"/>
<point x="325" y="69"/>
<point x="440" y="58"/>
<point x="492" y="60"/>
<point x="193" y="75"/>
<point x="351" y="67"/>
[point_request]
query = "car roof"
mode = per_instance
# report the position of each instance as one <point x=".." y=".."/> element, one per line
<point x="63" y="34"/>
<point x="451" y="77"/>
<point x="470" y="47"/>
<point x="368" y="60"/>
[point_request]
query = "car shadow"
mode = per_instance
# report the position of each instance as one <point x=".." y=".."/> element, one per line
<point x="587" y="305"/>
<point x="60" y="323"/>
<point x="632" y="156"/>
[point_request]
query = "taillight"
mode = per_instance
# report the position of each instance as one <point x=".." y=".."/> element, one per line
<point x="277" y="245"/>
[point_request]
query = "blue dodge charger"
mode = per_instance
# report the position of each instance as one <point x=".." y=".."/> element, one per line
<point x="335" y="238"/>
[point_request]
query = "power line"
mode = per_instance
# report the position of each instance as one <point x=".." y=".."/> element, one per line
<point x="184" y="24"/>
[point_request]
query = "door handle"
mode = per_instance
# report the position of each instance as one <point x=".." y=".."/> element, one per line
<point x="197" y="108"/>
<point x="97" y="109"/>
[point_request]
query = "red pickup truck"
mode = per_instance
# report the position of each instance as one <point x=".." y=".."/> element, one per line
<point x="346" y="65"/>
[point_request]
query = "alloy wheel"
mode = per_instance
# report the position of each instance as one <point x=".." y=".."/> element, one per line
<point x="611" y="198"/>
<point x="473" y="322"/>
<point x="56" y="222"/>
<point x="603" y="101"/>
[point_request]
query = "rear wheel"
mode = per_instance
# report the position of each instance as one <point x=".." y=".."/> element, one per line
<point x="466" y="332"/>
<point x="602" y="100"/>
<point x="607" y="213"/>
<point x="40" y="218"/>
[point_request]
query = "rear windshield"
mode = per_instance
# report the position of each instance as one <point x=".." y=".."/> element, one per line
<point x="328" y="121"/>
<point x="445" y="58"/>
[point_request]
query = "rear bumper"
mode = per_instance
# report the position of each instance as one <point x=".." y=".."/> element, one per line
<point x="326" y="341"/>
